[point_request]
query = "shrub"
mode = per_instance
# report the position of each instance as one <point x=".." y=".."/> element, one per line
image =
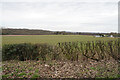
<point x="18" y="51"/>
<point x="25" y="51"/>
<point x="95" y="50"/>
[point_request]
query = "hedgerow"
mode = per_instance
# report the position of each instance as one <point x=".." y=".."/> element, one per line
<point x="74" y="51"/>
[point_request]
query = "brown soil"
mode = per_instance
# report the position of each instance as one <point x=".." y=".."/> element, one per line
<point x="60" y="69"/>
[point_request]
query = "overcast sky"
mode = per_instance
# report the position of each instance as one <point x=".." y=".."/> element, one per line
<point x="61" y="15"/>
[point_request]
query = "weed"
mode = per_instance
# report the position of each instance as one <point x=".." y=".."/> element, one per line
<point x="21" y="74"/>
<point x="30" y="73"/>
<point x="93" y="68"/>
<point x="35" y="76"/>
<point x="37" y="70"/>
<point x="5" y="76"/>
<point x="30" y="68"/>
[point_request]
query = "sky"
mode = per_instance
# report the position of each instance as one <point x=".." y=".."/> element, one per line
<point x="60" y="15"/>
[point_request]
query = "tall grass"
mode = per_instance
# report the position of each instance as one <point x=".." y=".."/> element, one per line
<point x="73" y="51"/>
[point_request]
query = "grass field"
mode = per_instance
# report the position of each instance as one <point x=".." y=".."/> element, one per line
<point x="50" y="39"/>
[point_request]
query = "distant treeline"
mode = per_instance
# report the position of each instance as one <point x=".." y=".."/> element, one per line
<point x="10" y="31"/>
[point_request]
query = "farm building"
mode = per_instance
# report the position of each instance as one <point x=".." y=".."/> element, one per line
<point x="104" y="36"/>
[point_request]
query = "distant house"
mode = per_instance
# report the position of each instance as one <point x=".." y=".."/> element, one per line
<point x="111" y="35"/>
<point x="97" y="36"/>
<point x="104" y="36"/>
<point x="100" y="35"/>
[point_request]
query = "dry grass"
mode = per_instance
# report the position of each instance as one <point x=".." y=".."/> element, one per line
<point x="60" y="69"/>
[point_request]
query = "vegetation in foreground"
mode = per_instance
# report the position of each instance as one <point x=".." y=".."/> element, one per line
<point x="93" y="59"/>
<point x="60" y="69"/>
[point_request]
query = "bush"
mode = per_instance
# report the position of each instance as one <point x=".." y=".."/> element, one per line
<point x="95" y="50"/>
<point x="21" y="52"/>
<point x="25" y="51"/>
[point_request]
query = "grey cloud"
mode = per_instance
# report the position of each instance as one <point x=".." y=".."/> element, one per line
<point x="94" y="16"/>
<point x="59" y="0"/>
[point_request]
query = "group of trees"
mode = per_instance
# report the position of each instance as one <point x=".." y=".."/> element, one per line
<point x="9" y="31"/>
